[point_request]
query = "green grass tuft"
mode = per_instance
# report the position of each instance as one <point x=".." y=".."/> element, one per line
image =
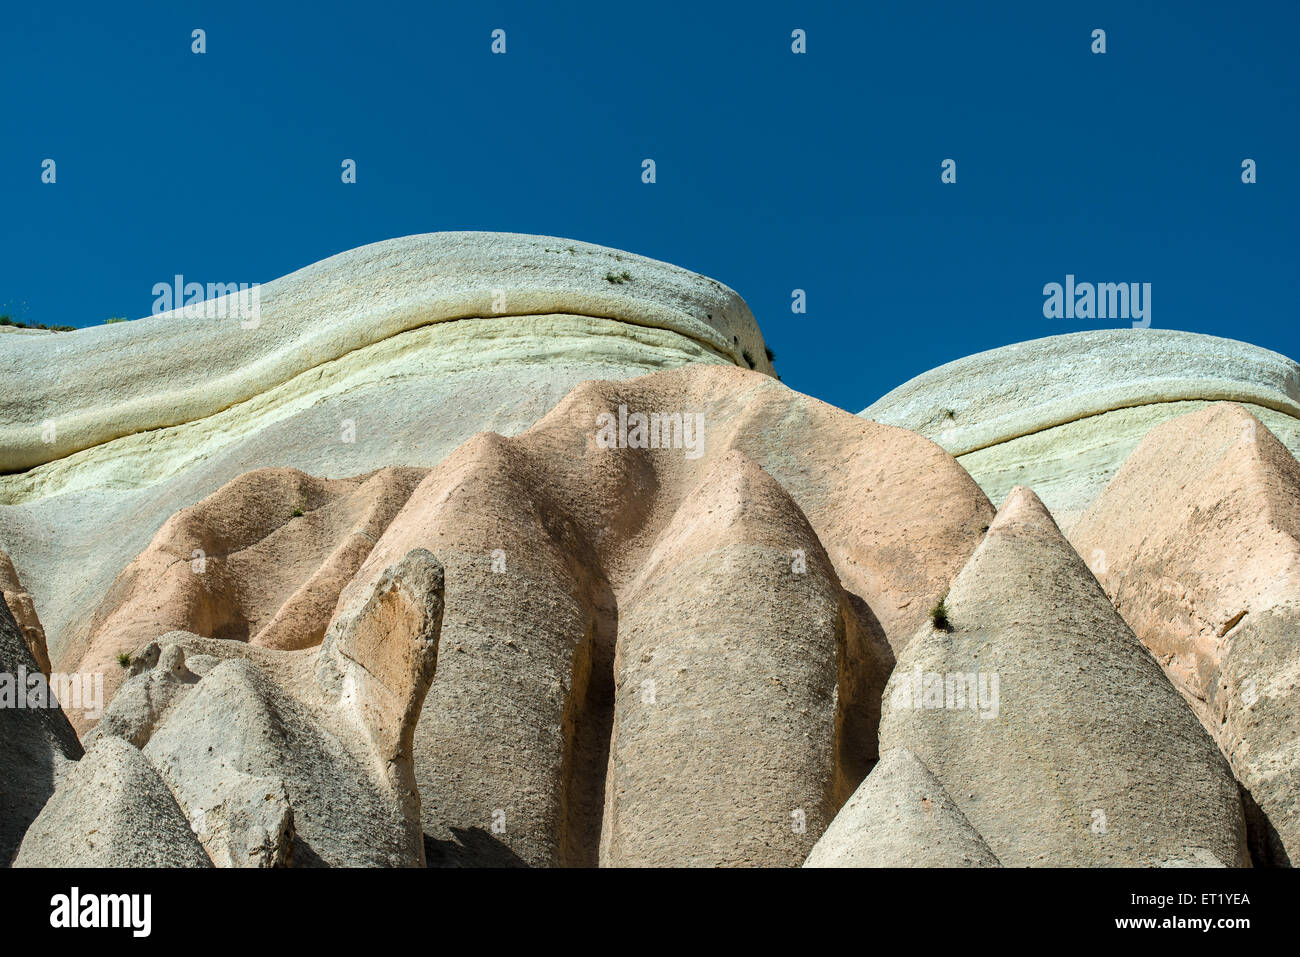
<point x="939" y="615"/>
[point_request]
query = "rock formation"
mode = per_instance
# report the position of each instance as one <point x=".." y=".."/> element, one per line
<point x="296" y="757"/>
<point x="112" y="811"/>
<point x="261" y="560"/>
<point x="482" y="549"/>
<point x="1197" y="542"/>
<point x="20" y="605"/>
<point x="901" y="817"/>
<point x="1061" y="414"/>
<point x="1036" y="708"/>
<point x="560" y="552"/>
<point x="564" y="568"/>
<point x="388" y="355"/>
<point x="728" y="675"/>
<point x="177" y="368"/>
<point x="37" y="744"/>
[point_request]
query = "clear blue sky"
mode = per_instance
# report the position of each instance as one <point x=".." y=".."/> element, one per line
<point x="775" y="171"/>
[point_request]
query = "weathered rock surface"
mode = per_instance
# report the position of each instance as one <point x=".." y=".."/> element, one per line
<point x="901" y="816"/>
<point x="297" y="757"/>
<point x="1047" y="722"/>
<point x="249" y="821"/>
<point x="1197" y="542"/>
<point x="37" y="744"/>
<point x="112" y="811"/>
<point x="666" y="613"/>
<point x="546" y="538"/>
<point x="174" y="368"/>
<point x="261" y="560"/>
<point x="1061" y="414"/>
<point x="377" y="662"/>
<point x="725" y="684"/>
<point x="159" y="677"/>
<point x="19" y="602"/>
<point x="388" y="355"/>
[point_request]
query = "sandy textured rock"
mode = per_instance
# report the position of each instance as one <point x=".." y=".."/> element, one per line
<point x="1197" y="541"/>
<point x="159" y="677"/>
<point x="1085" y="755"/>
<point x="1061" y="414"/>
<point x="248" y="820"/>
<point x="112" y="811"/>
<point x="725" y="684"/>
<point x="545" y="535"/>
<point x="19" y="602"/>
<point x="261" y="560"/>
<point x="508" y="722"/>
<point x="37" y="744"/>
<point x="664" y="652"/>
<point x="237" y="728"/>
<point x="297" y="757"/>
<point x="377" y="661"/>
<point x="388" y="355"/>
<point x="901" y="816"/>
<point x="172" y="368"/>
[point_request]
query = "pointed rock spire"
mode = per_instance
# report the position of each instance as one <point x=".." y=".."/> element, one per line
<point x="1050" y="726"/>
